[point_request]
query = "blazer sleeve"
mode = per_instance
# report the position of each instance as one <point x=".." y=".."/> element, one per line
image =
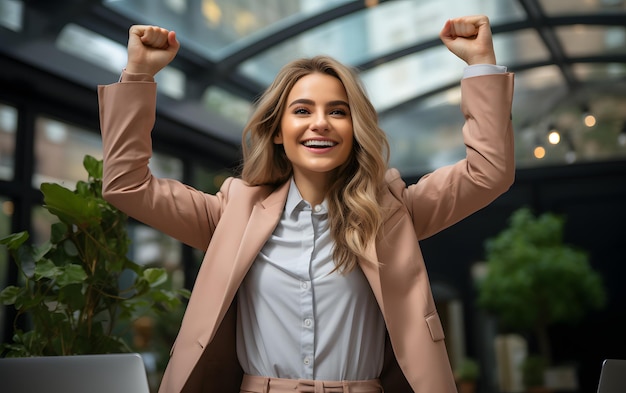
<point x="451" y="193"/>
<point x="127" y="116"/>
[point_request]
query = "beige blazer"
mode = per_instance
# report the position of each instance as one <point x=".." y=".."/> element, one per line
<point x="233" y="225"/>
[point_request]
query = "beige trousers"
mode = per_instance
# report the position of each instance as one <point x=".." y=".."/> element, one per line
<point x="254" y="384"/>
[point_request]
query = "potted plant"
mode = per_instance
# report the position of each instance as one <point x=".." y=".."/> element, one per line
<point x="466" y="374"/>
<point x="534" y="280"/>
<point x="533" y="374"/>
<point x="79" y="292"/>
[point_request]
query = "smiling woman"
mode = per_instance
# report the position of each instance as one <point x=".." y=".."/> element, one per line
<point x="316" y="246"/>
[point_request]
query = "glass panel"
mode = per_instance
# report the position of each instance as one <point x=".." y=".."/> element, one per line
<point x="108" y="54"/>
<point x="12" y="14"/>
<point x="578" y="142"/>
<point x="520" y="47"/>
<point x="227" y="104"/>
<point x="59" y="152"/>
<point x="425" y="135"/>
<point x="150" y="247"/>
<point x="92" y="47"/>
<point x="166" y="166"/>
<point x="8" y="130"/>
<point x="374" y="32"/>
<point x="556" y="7"/>
<point x="582" y="40"/>
<point x="600" y="72"/>
<point x="216" y="27"/>
<point x="537" y="92"/>
<point x="408" y="77"/>
<point x="581" y="139"/>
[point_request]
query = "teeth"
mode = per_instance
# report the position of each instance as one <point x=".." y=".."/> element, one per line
<point x="315" y="143"/>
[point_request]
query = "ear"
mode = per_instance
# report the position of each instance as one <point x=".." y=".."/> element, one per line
<point x="278" y="138"/>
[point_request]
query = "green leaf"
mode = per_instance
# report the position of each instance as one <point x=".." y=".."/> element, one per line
<point x="15" y="240"/>
<point x="71" y="274"/>
<point x="47" y="269"/>
<point x="93" y="166"/>
<point x="9" y="295"/>
<point x="41" y="251"/>
<point x="58" y="231"/>
<point x="71" y="208"/>
<point x="72" y="295"/>
<point x="155" y="276"/>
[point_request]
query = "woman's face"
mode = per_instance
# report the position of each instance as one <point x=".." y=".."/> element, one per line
<point x="316" y="126"/>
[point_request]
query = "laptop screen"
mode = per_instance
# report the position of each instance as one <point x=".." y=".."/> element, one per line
<point x="120" y="373"/>
<point x="612" y="376"/>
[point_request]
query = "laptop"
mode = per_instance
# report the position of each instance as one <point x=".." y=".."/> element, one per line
<point x="107" y="373"/>
<point x="612" y="376"/>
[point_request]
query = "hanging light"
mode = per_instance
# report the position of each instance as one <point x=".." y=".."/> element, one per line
<point x="539" y="151"/>
<point x="554" y="136"/>
<point x="588" y="118"/>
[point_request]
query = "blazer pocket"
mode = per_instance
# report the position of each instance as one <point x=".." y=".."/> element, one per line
<point x="435" y="327"/>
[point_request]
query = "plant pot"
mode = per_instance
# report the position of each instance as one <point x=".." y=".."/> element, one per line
<point x="538" y="389"/>
<point x="466" y="387"/>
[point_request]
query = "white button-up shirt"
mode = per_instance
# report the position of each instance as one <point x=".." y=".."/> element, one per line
<point x="298" y="320"/>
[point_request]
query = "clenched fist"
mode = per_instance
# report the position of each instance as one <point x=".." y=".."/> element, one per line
<point x="150" y="48"/>
<point x="469" y="38"/>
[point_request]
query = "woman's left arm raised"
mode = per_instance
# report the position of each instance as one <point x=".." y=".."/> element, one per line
<point x="453" y="192"/>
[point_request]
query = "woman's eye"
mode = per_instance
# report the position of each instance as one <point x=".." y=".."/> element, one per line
<point x="300" y="111"/>
<point x="338" y="112"/>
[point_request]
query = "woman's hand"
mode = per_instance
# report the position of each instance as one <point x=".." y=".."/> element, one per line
<point x="469" y="38"/>
<point x="150" y="48"/>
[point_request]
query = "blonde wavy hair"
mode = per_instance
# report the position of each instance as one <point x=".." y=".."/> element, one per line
<point x="354" y="210"/>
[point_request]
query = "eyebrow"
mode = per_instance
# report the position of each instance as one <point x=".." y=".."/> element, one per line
<point x="306" y="101"/>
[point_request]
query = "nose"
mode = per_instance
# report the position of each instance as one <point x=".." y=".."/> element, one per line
<point x="319" y="122"/>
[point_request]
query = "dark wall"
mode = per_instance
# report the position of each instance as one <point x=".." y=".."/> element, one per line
<point x="592" y="197"/>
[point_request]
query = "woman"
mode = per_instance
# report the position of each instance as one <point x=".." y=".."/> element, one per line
<point x="313" y="279"/>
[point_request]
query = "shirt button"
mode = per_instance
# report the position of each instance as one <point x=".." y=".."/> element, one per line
<point x="308" y="322"/>
<point x="307" y="361"/>
<point x="304" y="285"/>
<point x="317" y="208"/>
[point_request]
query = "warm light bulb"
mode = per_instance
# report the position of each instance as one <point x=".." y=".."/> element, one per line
<point x="554" y="137"/>
<point x="539" y="152"/>
<point x="590" y="121"/>
<point x="8" y="208"/>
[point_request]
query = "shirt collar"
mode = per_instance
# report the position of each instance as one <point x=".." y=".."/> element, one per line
<point x="296" y="203"/>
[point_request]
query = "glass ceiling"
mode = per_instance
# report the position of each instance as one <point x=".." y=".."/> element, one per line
<point x="569" y="57"/>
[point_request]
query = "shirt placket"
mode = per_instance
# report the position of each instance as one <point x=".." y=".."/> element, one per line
<point x="307" y="342"/>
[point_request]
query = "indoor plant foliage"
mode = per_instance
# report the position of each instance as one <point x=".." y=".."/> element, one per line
<point x="466" y="374"/>
<point x="80" y="290"/>
<point x="534" y="280"/>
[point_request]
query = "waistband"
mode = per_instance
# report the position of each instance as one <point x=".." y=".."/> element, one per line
<point x="256" y="384"/>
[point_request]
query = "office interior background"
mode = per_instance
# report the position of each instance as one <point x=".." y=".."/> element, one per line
<point x="569" y="57"/>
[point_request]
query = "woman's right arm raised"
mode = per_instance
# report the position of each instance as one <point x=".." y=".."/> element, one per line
<point x="127" y="117"/>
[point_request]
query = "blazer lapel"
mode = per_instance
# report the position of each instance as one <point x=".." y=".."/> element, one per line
<point x="263" y="220"/>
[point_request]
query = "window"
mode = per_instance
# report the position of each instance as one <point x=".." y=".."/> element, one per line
<point x="59" y="152"/>
<point x="8" y="129"/>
